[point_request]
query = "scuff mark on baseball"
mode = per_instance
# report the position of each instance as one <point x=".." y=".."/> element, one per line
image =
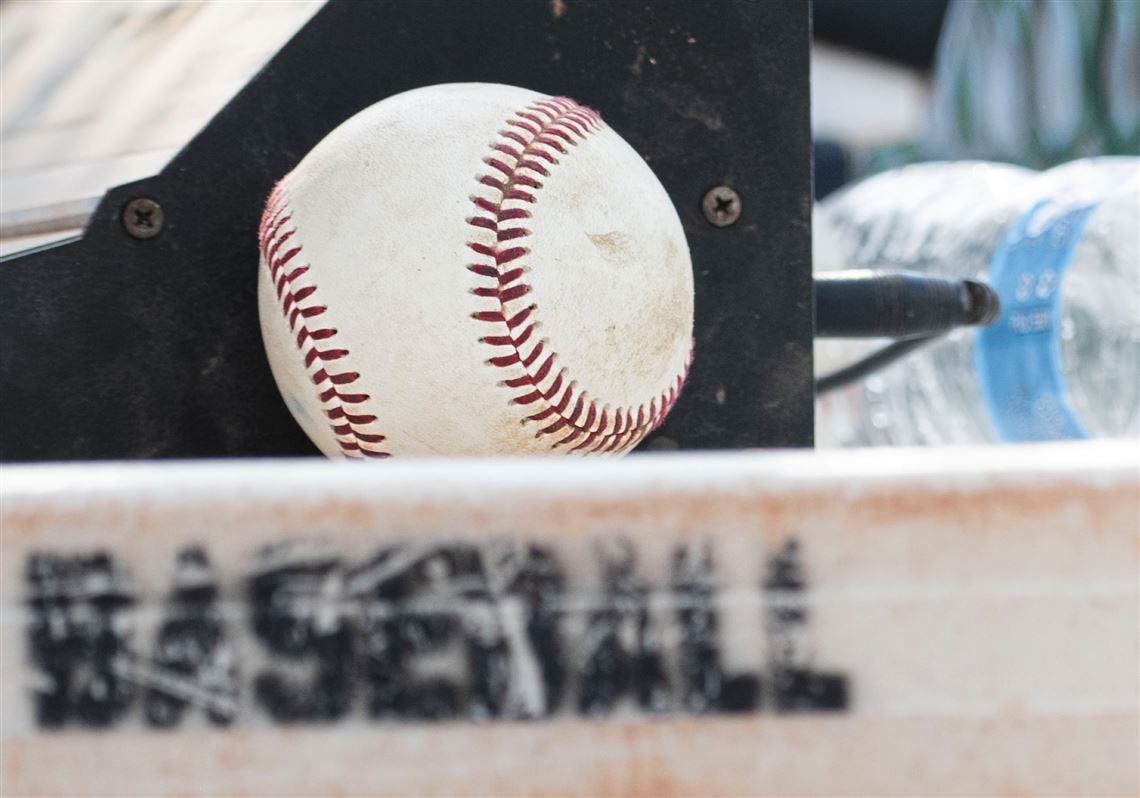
<point x="475" y="269"/>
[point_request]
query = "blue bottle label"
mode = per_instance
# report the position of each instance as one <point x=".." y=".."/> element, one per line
<point x="1018" y="359"/>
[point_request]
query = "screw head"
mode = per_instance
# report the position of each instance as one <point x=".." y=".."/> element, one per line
<point x="721" y="206"/>
<point x="142" y="218"/>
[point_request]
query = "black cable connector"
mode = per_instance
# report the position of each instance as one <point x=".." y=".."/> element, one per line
<point x="869" y="304"/>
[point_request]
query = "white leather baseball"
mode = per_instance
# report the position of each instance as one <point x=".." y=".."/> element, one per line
<point x="475" y="269"/>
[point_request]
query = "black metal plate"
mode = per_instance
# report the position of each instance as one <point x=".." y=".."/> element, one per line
<point x="112" y="347"/>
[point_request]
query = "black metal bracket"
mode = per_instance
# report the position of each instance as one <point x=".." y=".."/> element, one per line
<point x="141" y="338"/>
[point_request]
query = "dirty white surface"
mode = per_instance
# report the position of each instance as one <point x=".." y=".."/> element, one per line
<point x="540" y="303"/>
<point x="977" y="610"/>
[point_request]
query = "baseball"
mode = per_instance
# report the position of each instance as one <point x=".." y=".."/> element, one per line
<point x="474" y="269"/>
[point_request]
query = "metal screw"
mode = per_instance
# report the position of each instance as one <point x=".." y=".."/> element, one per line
<point x="721" y="206"/>
<point x="142" y="218"/>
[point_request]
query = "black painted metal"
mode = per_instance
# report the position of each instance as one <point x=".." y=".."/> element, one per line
<point x="113" y="347"/>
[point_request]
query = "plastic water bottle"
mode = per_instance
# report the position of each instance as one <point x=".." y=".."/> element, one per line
<point x="1062" y="249"/>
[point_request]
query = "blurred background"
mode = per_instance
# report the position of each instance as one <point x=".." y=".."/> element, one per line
<point x="1030" y="82"/>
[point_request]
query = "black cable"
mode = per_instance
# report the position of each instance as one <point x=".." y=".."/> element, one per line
<point x="878" y="359"/>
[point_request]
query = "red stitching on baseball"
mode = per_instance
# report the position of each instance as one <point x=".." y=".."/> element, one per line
<point x="531" y="144"/>
<point x="279" y="250"/>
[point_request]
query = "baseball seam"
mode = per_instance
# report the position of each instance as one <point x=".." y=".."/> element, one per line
<point x="525" y="151"/>
<point x="296" y="294"/>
